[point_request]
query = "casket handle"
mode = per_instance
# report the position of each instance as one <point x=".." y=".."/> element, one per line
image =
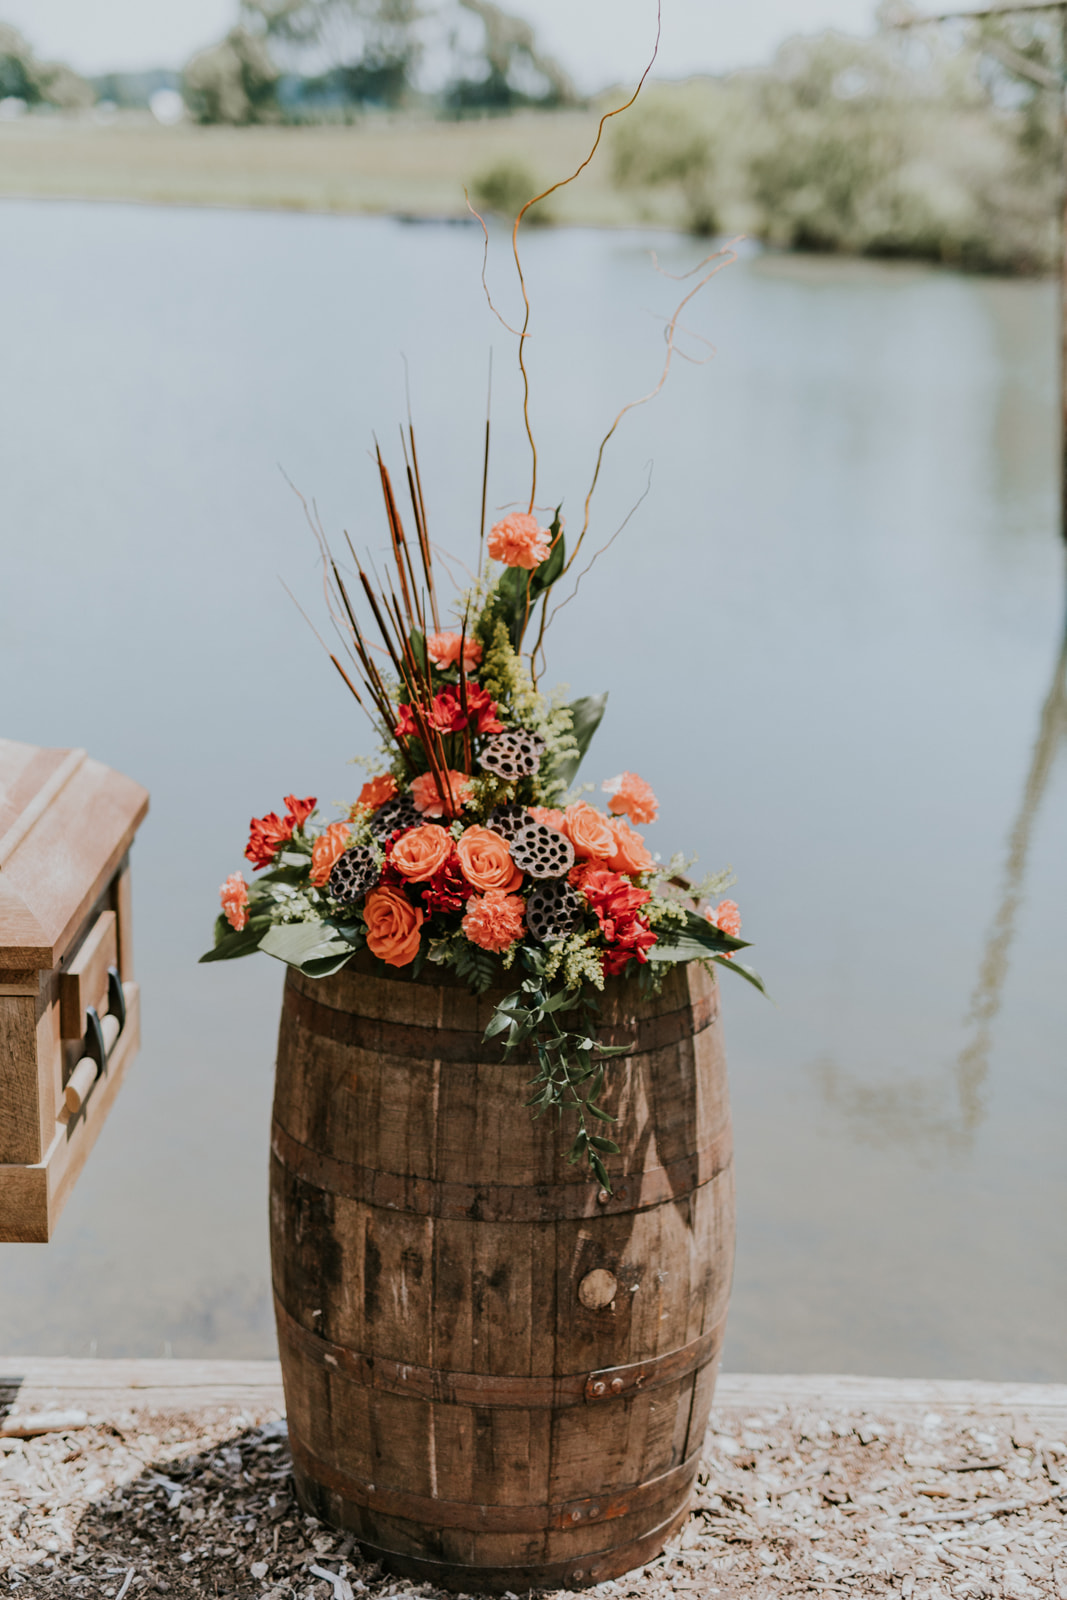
<point x="101" y="1035"/>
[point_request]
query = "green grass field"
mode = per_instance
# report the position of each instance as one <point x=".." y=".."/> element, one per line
<point x="399" y="165"/>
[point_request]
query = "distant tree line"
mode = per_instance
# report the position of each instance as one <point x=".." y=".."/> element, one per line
<point x="924" y="144"/>
<point x="38" y="83"/>
<point x="302" y="60"/>
<point x="927" y="143"/>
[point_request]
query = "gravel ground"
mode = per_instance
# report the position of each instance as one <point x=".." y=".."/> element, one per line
<point x="789" y="1503"/>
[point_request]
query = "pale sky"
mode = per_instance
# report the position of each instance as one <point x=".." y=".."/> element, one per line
<point x="598" y="41"/>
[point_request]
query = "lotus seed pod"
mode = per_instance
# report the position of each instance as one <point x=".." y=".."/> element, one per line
<point x="541" y="851"/>
<point x="399" y="812"/>
<point x="507" y="821"/>
<point x="513" y="755"/>
<point x="553" y="910"/>
<point x="354" y="874"/>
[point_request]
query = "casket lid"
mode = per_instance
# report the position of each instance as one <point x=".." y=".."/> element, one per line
<point x="66" y="822"/>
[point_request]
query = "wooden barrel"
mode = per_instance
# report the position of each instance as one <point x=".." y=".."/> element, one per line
<point x="497" y="1376"/>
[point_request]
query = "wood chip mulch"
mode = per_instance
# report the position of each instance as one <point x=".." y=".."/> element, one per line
<point x="789" y="1503"/>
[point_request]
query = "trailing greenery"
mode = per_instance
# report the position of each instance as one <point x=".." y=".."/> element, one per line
<point x="570" y="1076"/>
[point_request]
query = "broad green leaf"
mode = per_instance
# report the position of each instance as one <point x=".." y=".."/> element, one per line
<point x="742" y="971"/>
<point x="286" y="874"/>
<point x="296" y="943"/>
<point x="328" y="965"/>
<point x="705" y="933"/>
<point x="417" y="641"/>
<point x="230" y="945"/>
<point x="608" y="1146"/>
<point x="512" y="586"/>
<point x="546" y="574"/>
<point x="696" y="941"/>
<point x="586" y="717"/>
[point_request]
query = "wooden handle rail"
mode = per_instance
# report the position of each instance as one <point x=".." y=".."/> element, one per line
<point x="85" y="1074"/>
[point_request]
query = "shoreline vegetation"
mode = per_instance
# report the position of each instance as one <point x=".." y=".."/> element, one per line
<point x="922" y="145"/>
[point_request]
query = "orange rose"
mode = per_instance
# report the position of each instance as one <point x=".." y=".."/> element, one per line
<point x="550" y="817"/>
<point x="632" y="795"/>
<point x="631" y="854"/>
<point x="589" y="832"/>
<point x="457" y="787"/>
<point x="393" y="925"/>
<point x="328" y="848"/>
<point x="422" y="852"/>
<point x="376" y="791"/>
<point x="495" y="921"/>
<point x="234" y="897"/>
<point x="486" y="861"/>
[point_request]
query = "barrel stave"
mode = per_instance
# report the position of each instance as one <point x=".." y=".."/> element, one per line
<point x="495" y="1297"/>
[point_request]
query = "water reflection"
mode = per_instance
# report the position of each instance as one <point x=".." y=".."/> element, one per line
<point x="947" y="1111"/>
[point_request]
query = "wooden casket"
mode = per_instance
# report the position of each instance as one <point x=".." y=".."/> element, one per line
<point x="69" y="1009"/>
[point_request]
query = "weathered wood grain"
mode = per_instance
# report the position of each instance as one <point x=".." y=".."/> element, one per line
<point x="84" y="983"/>
<point x="32" y="1196"/>
<point x="20" y="1122"/>
<point x="68" y="837"/>
<point x="452" y="1399"/>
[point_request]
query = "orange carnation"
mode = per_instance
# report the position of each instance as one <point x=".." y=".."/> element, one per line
<point x="631" y="854"/>
<point x="234" y="897"/>
<point x="726" y="917"/>
<point x="550" y="817"/>
<point x="589" y="832"/>
<point x="443" y="651"/>
<point x="632" y="795"/>
<point x="486" y="860"/>
<point x="494" y="921"/>
<point x="457" y="786"/>
<point x="421" y="852"/>
<point x="376" y="791"/>
<point x="327" y="850"/>
<point x="519" y="541"/>
<point x="393" y="925"/>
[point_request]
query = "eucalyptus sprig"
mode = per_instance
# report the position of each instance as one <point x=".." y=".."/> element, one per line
<point x="570" y="1076"/>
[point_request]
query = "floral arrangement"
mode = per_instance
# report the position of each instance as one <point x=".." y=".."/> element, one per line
<point x="471" y="848"/>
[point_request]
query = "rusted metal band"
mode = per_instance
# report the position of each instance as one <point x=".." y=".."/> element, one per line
<point x="429" y="1511"/>
<point x="503" y="1202"/>
<point x="409" y="1040"/>
<point x="483" y="1389"/>
<point x="578" y="1571"/>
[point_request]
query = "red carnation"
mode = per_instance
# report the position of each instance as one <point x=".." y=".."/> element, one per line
<point x="448" y="716"/>
<point x="614" y="899"/>
<point x="446" y="713"/>
<point x="632" y="940"/>
<point x="268" y="835"/>
<point x="299" y="810"/>
<point x="481" y="710"/>
<point x="448" y="889"/>
<point x="405" y="722"/>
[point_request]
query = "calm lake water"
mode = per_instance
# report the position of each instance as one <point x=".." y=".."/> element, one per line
<point x="833" y="637"/>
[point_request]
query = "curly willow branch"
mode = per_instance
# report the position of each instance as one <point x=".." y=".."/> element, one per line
<point x="725" y="258"/>
<point x="485" y="266"/>
<point x="523" y="334"/>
